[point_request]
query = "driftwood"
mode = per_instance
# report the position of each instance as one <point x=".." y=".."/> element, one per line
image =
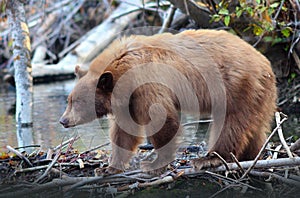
<point x="230" y="174"/>
<point x="107" y="31"/>
<point x="282" y="162"/>
<point x="136" y="181"/>
<point x="92" y="43"/>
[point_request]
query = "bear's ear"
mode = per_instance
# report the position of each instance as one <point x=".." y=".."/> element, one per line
<point x="105" y="82"/>
<point x="79" y="72"/>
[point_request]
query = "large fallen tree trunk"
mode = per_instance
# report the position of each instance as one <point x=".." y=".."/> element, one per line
<point x="93" y="42"/>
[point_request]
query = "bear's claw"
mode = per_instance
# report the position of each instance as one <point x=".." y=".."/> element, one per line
<point x="151" y="168"/>
<point x="206" y="162"/>
<point x="106" y="171"/>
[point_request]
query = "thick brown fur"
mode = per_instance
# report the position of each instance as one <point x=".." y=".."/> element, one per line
<point x="201" y="56"/>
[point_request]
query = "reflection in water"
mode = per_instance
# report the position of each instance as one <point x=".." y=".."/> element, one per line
<point x="7" y="120"/>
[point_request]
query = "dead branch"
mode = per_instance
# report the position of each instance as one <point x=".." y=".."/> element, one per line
<point x="280" y="134"/>
<point x="114" y="178"/>
<point x="147" y="7"/>
<point x="168" y="20"/>
<point x="237" y="162"/>
<point x="66" y="143"/>
<point x="273" y="175"/>
<point x="31" y="169"/>
<point x="233" y="183"/>
<point x="295" y="146"/>
<point x="55" y="6"/>
<point x="167" y="179"/>
<point x="49" y="167"/>
<point x="72" y="46"/>
<point x="19" y="155"/>
<point x="282" y="139"/>
<point x="230" y="180"/>
<point x="95" y="148"/>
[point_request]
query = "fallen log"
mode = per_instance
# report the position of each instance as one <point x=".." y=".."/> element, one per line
<point x="281" y="162"/>
<point x="95" y="41"/>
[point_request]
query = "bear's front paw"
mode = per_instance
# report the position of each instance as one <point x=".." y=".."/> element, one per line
<point x="153" y="168"/>
<point x="206" y="162"/>
<point x="106" y="171"/>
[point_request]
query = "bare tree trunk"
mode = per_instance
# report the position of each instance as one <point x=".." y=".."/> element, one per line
<point x="21" y="52"/>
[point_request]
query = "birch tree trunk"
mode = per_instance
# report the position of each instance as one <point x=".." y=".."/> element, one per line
<point x="21" y="52"/>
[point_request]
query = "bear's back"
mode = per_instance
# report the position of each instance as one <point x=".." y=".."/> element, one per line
<point x="217" y="47"/>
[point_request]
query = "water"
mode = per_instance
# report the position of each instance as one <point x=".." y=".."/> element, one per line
<point x="49" y="105"/>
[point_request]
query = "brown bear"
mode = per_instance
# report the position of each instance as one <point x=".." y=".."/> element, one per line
<point x="145" y="82"/>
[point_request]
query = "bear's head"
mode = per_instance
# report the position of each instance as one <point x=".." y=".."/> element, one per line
<point x="90" y="98"/>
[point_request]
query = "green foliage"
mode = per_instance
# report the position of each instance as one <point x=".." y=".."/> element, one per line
<point x="292" y="77"/>
<point x="286" y="31"/>
<point x="273" y="39"/>
<point x="227" y="20"/>
<point x="260" y="17"/>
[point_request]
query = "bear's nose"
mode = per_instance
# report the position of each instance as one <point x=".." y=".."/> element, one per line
<point x="64" y="121"/>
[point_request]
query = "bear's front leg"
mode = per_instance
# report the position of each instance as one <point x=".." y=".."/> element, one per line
<point x="165" y="145"/>
<point x="124" y="146"/>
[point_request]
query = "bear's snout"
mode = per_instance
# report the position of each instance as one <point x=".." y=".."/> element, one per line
<point x="64" y="122"/>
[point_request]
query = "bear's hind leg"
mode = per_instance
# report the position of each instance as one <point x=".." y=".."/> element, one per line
<point x="233" y="137"/>
<point x="255" y="144"/>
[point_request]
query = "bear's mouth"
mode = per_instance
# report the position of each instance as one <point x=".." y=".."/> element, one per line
<point x="68" y="126"/>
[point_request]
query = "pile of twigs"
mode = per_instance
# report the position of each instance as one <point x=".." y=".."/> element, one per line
<point x="65" y="171"/>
